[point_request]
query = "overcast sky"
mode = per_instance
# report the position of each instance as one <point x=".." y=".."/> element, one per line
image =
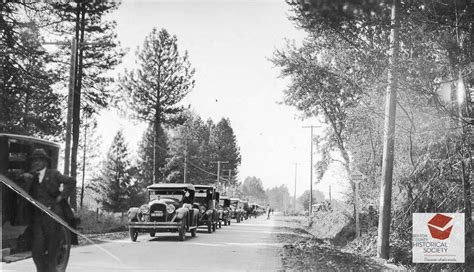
<point x="229" y="43"/>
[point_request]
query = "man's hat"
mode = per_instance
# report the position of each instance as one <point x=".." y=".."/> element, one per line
<point x="39" y="153"/>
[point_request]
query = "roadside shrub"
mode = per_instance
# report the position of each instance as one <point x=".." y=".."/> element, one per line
<point x="97" y="222"/>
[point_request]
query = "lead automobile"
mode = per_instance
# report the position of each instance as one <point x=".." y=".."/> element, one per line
<point x="16" y="210"/>
<point x="170" y="209"/>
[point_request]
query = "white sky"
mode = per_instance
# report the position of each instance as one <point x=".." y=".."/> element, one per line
<point x="229" y="43"/>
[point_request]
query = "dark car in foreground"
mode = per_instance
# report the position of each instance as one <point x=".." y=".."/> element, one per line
<point x="170" y="209"/>
<point x="17" y="212"/>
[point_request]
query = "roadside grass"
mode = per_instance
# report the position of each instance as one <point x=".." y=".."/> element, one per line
<point x="94" y="222"/>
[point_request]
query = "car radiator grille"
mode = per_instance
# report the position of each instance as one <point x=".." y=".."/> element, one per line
<point x="158" y="208"/>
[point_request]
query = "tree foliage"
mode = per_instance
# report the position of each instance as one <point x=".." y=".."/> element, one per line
<point x="252" y="188"/>
<point x="342" y="66"/>
<point x="27" y="103"/>
<point x="279" y="198"/>
<point x="116" y="177"/>
<point x="161" y="80"/>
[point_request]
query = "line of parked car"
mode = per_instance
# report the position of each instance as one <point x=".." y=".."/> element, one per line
<point x="182" y="208"/>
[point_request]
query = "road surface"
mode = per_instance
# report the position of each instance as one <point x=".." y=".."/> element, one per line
<point x="248" y="246"/>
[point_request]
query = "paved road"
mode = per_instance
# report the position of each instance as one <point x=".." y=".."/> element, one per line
<point x="247" y="246"/>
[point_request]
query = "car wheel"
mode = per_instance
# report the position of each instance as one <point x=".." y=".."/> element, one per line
<point x="182" y="231"/>
<point x="193" y="232"/>
<point x="152" y="234"/>
<point x="62" y="256"/>
<point x="133" y="234"/>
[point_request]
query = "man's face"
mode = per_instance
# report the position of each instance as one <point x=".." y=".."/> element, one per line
<point x="38" y="164"/>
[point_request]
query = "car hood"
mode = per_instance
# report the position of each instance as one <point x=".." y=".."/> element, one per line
<point x="165" y="201"/>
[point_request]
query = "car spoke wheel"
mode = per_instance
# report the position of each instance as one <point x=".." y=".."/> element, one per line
<point x="182" y="231"/>
<point x="62" y="256"/>
<point x="133" y="234"/>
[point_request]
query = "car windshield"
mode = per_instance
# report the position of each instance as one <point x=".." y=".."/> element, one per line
<point x="175" y="195"/>
<point x="200" y="196"/>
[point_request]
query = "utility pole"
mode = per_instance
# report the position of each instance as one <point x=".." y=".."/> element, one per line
<point x="84" y="160"/>
<point x="229" y="179"/>
<point x="294" y="196"/>
<point x="311" y="172"/>
<point x="219" y="170"/>
<point x="389" y="138"/>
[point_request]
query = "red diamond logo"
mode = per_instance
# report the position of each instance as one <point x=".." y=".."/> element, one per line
<point x="439" y="227"/>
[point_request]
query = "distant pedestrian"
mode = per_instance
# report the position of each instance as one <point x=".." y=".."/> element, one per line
<point x="268" y="211"/>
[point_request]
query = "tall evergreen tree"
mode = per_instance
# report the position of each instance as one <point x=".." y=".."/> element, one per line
<point x="27" y="103"/>
<point x="192" y="140"/>
<point x="116" y="176"/>
<point x="85" y="20"/>
<point x="224" y="147"/>
<point x="146" y="156"/>
<point x="163" y="78"/>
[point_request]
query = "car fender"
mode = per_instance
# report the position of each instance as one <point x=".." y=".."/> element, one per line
<point x="181" y="213"/>
<point x="132" y="213"/>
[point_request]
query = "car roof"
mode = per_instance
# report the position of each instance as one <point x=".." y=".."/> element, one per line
<point x="200" y="186"/>
<point x="29" y="139"/>
<point x="171" y="186"/>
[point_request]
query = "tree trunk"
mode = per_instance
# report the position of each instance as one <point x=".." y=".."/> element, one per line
<point x="76" y="110"/>
<point x="157" y="129"/>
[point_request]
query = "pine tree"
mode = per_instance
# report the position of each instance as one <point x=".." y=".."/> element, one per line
<point x="27" y="103"/>
<point x="163" y="78"/>
<point x="116" y="178"/>
<point x="224" y="147"/>
<point x="146" y="155"/>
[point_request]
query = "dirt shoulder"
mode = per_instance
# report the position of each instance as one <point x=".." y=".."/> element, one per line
<point x="303" y="252"/>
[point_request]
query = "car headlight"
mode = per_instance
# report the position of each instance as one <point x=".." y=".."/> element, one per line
<point x="170" y="208"/>
<point x="145" y="209"/>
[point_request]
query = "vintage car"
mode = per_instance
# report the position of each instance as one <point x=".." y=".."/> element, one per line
<point x="220" y="211"/>
<point x="205" y="202"/>
<point x="224" y="205"/>
<point x="253" y="209"/>
<point x="246" y="209"/>
<point x="236" y="205"/>
<point x="15" y="151"/>
<point x="170" y="209"/>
